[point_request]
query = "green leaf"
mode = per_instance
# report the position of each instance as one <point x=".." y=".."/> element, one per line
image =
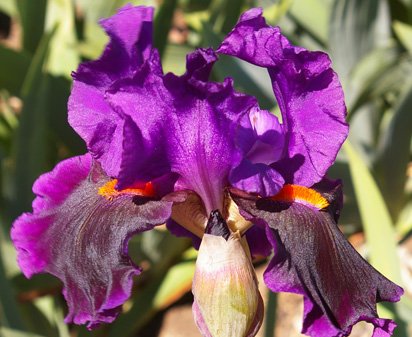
<point x="195" y="21"/>
<point x="31" y="145"/>
<point x="356" y="28"/>
<point x="9" y="313"/>
<point x="9" y="7"/>
<point x="35" y="319"/>
<point x="162" y="291"/>
<point x="94" y="41"/>
<point x="6" y="332"/>
<point x="8" y="122"/>
<point x="51" y="309"/>
<point x="176" y="282"/>
<point x="98" y="9"/>
<point x="63" y="57"/>
<point x="62" y="134"/>
<point x="174" y="60"/>
<point x="38" y="283"/>
<point x="225" y="14"/>
<point x="32" y="16"/>
<point x="8" y="252"/>
<point x="194" y="5"/>
<point x="162" y="251"/>
<point x="404" y="309"/>
<point x="404" y="33"/>
<point x="163" y="23"/>
<point x="380" y="235"/>
<point x="380" y="72"/>
<point x="36" y="68"/>
<point x="313" y="16"/>
<point x="274" y="12"/>
<point x="394" y="153"/>
<point x="247" y="78"/>
<point x="401" y="10"/>
<point x="349" y="217"/>
<point x="404" y="223"/>
<point x="13" y="68"/>
<point x="377" y="223"/>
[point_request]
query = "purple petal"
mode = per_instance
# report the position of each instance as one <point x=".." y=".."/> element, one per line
<point x="81" y="237"/>
<point x="256" y="178"/>
<point x="130" y="45"/>
<point x="130" y="32"/>
<point x="183" y="125"/>
<point x="261" y="141"/>
<point x="308" y="92"/>
<point x="258" y="242"/>
<point x="261" y="137"/>
<point x="313" y="258"/>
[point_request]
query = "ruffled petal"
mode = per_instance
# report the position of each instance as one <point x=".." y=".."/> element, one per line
<point x="313" y="258"/>
<point x="307" y="90"/>
<point x="183" y="125"/>
<point x="130" y="32"/>
<point x="81" y="236"/>
<point x="130" y="46"/>
<point x="260" y="138"/>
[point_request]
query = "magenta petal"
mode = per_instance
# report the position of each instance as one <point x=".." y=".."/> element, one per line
<point x="181" y="125"/>
<point x="261" y="137"/>
<point x="256" y="178"/>
<point x="313" y="258"/>
<point x="130" y="45"/>
<point x="269" y="143"/>
<point x="81" y="237"/>
<point x="308" y="92"/>
<point x="100" y="127"/>
<point x="261" y="140"/>
<point x="130" y="32"/>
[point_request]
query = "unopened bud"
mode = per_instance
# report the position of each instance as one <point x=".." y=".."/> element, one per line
<point x="227" y="301"/>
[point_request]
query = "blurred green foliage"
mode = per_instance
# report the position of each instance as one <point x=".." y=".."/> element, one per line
<point x="370" y="43"/>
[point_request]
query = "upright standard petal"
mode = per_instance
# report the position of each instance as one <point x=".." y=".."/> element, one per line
<point x="307" y="90"/>
<point x="130" y="46"/>
<point x="182" y="125"/>
<point x="79" y="231"/>
<point x="313" y="258"/>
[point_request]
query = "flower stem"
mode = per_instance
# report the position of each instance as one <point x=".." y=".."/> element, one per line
<point x="270" y="314"/>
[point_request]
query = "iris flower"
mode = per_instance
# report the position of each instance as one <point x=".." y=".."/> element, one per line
<point x="210" y="163"/>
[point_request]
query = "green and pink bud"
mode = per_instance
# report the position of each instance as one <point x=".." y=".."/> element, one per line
<point x="227" y="301"/>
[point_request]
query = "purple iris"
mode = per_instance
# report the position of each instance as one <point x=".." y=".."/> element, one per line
<point x="187" y="151"/>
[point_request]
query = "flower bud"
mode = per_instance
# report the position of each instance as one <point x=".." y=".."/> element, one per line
<point x="227" y="301"/>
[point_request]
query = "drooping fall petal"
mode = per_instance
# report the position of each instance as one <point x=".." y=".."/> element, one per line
<point x="78" y="231"/>
<point x="313" y="258"/>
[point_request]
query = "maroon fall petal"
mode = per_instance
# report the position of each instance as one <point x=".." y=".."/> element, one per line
<point x="313" y="258"/>
<point x="81" y="237"/>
